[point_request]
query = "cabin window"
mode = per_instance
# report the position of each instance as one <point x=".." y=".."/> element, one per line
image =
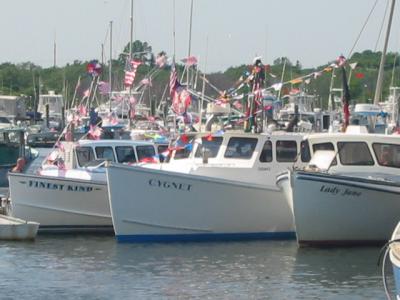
<point x="355" y="154"/>
<point x="85" y="155"/>
<point x="209" y="145"/>
<point x="145" y="153"/>
<point x="105" y="153"/>
<point x="125" y="154"/>
<point x="387" y="155"/>
<point x="305" y="153"/>
<point x="325" y="146"/>
<point x="266" y="153"/>
<point x="242" y="148"/>
<point x="184" y="149"/>
<point x="161" y="149"/>
<point x="286" y="151"/>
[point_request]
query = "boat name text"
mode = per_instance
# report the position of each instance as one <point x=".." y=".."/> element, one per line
<point x="336" y="191"/>
<point x="170" y="185"/>
<point x="59" y="187"/>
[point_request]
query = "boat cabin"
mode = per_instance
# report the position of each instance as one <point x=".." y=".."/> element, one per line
<point x="256" y="158"/>
<point x="93" y="153"/>
<point x="356" y="152"/>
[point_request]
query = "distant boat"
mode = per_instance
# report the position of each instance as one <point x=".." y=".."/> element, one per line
<point x="12" y="147"/>
<point x="349" y="195"/>
<point x="17" y="229"/>
<point x="70" y="192"/>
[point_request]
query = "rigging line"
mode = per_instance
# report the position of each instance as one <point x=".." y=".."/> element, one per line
<point x="362" y="29"/>
<point x="381" y="28"/>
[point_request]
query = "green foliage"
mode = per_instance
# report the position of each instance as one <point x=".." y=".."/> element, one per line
<point x="24" y="78"/>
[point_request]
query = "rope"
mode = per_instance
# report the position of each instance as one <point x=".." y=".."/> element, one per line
<point x="362" y="29"/>
<point x="381" y="28"/>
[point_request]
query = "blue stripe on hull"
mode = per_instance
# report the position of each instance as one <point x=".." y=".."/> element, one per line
<point x="205" y="237"/>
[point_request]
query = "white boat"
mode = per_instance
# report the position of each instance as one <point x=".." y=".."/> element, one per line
<point x="17" y="229"/>
<point x="70" y="192"/>
<point x="353" y="199"/>
<point x="224" y="190"/>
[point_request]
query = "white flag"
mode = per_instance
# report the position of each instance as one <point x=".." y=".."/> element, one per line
<point x="277" y="86"/>
<point x="353" y="65"/>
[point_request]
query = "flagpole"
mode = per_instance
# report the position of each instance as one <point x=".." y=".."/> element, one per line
<point x="110" y="65"/>
<point x="378" y="90"/>
<point x="130" y="59"/>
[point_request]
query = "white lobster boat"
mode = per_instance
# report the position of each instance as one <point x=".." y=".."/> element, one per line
<point x="224" y="190"/>
<point x="354" y="199"/>
<point x="74" y="197"/>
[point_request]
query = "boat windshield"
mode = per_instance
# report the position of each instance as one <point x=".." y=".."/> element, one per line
<point x="354" y="154"/>
<point x="210" y="145"/>
<point x="387" y="155"/>
<point x="239" y="147"/>
<point x="84" y="155"/>
<point x="145" y="152"/>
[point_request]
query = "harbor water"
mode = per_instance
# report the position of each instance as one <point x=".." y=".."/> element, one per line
<point x="97" y="267"/>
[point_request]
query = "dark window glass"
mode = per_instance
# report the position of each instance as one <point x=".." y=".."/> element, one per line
<point x="161" y="149"/>
<point x="305" y="151"/>
<point x="323" y="146"/>
<point x="266" y="153"/>
<point x="240" y="148"/>
<point x="387" y="155"/>
<point x="286" y="151"/>
<point x="105" y="153"/>
<point x="125" y="154"/>
<point x="144" y="152"/>
<point x="354" y="153"/>
<point x="85" y="155"/>
<point x="210" y="146"/>
<point x="184" y="149"/>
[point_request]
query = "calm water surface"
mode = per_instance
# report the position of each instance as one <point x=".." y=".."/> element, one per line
<point x="97" y="267"/>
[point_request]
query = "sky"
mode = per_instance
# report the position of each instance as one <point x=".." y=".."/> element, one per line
<point x="225" y="33"/>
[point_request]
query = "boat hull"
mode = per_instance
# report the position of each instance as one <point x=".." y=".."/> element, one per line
<point x="17" y="229"/>
<point x="60" y="204"/>
<point x="342" y="210"/>
<point x="154" y="205"/>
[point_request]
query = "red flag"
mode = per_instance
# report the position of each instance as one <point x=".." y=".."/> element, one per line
<point x="359" y="75"/>
<point x="130" y="72"/>
<point x="190" y="61"/>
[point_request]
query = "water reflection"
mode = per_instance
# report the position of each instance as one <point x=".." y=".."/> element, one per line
<point x="96" y="267"/>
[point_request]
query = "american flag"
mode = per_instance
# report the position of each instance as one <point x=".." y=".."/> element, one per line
<point x="173" y="80"/>
<point x="130" y="72"/>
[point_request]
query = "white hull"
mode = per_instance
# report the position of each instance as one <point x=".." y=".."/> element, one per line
<point x="60" y="204"/>
<point x="154" y="205"/>
<point x="341" y="210"/>
<point x="17" y="229"/>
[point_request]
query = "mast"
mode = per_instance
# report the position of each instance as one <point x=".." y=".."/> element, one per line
<point x="55" y="52"/>
<point x="190" y="42"/>
<point x="110" y="65"/>
<point x="378" y="90"/>
<point x="129" y="62"/>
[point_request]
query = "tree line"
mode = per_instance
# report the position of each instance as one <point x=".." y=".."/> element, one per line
<point x="30" y="79"/>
